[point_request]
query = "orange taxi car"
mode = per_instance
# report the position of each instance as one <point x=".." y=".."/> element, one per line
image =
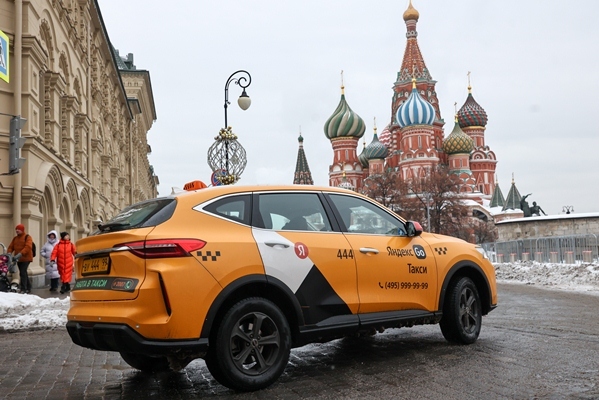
<point x="239" y="275"/>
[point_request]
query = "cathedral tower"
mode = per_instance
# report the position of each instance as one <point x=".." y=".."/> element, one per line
<point x="458" y="147"/>
<point x="417" y="155"/>
<point x="413" y="66"/>
<point x="302" y="174"/>
<point x="344" y="129"/>
<point x="473" y="121"/>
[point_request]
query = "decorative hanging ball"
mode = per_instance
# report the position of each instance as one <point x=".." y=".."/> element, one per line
<point x="227" y="156"/>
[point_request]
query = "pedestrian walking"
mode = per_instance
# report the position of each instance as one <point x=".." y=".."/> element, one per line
<point x="51" y="267"/>
<point x="20" y="247"/>
<point x="64" y="257"/>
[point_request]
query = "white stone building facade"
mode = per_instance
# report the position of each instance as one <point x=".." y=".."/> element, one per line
<point x="88" y="115"/>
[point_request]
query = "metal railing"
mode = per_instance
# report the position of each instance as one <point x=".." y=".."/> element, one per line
<point x="572" y="249"/>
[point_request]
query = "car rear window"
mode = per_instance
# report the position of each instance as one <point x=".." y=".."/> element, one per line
<point x="146" y="213"/>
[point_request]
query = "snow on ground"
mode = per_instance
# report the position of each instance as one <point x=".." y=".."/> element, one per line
<point x="576" y="277"/>
<point x="28" y="312"/>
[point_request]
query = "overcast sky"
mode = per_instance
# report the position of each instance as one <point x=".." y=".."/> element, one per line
<point x="534" y="70"/>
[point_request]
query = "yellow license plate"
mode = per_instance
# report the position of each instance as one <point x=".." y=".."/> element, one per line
<point x="98" y="265"/>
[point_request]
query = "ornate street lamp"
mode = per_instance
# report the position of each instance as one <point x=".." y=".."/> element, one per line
<point x="226" y="156"/>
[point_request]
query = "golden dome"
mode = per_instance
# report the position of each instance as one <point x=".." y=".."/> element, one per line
<point x="411" y="13"/>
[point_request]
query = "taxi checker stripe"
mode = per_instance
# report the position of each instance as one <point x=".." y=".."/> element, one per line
<point x="441" y="250"/>
<point x="208" y="254"/>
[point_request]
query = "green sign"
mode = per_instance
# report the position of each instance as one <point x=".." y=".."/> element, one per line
<point x="107" y="283"/>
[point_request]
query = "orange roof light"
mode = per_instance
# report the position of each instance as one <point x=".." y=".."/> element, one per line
<point x="195" y="185"/>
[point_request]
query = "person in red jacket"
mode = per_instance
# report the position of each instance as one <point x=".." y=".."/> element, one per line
<point x="20" y="248"/>
<point x="64" y="256"/>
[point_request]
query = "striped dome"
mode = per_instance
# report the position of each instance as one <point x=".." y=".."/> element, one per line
<point x="458" y="142"/>
<point x="344" y="122"/>
<point x="385" y="137"/>
<point x="471" y="113"/>
<point x="362" y="157"/>
<point x="415" y="110"/>
<point x="376" y="150"/>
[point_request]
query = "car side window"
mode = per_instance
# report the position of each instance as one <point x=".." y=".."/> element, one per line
<point x="361" y="216"/>
<point x="235" y="208"/>
<point x="293" y="211"/>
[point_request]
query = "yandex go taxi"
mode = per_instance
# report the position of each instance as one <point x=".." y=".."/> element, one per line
<point x="240" y="275"/>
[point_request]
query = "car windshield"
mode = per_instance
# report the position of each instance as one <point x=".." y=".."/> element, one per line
<point x="147" y="213"/>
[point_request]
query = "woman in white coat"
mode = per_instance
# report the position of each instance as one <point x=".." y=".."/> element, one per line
<point x="51" y="269"/>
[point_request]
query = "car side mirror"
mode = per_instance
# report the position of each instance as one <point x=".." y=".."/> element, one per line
<point x="413" y="228"/>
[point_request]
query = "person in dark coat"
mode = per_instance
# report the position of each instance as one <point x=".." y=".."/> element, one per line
<point x="64" y="257"/>
<point x="21" y="248"/>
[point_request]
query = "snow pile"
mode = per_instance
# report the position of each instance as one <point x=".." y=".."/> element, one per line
<point x="578" y="277"/>
<point x="29" y="312"/>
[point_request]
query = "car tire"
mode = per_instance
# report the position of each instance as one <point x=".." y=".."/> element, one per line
<point x="146" y="363"/>
<point x="462" y="312"/>
<point x="252" y="346"/>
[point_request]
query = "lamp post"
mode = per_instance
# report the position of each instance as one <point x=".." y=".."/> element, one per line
<point x="244" y="100"/>
<point x="226" y="156"/>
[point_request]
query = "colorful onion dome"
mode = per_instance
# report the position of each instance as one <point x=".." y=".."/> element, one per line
<point x="471" y="113"/>
<point x="458" y="142"/>
<point x="362" y="157"/>
<point x="415" y="110"/>
<point x="376" y="150"/>
<point x="411" y="13"/>
<point x="385" y="136"/>
<point x="344" y="122"/>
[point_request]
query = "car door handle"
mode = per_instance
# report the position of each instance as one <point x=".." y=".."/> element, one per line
<point x="275" y="244"/>
<point x="366" y="250"/>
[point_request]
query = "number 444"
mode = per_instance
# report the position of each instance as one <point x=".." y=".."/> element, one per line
<point x="345" y="253"/>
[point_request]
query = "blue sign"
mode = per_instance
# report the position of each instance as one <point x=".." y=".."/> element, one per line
<point x="3" y="56"/>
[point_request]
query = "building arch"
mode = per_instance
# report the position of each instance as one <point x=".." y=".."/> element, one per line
<point x="71" y="194"/>
<point x="65" y="215"/>
<point x="64" y="69"/>
<point x="48" y="38"/>
<point x="79" y="228"/>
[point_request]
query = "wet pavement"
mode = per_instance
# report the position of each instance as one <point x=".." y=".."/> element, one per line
<point x="538" y="344"/>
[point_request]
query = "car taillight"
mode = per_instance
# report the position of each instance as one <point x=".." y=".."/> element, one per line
<point x="163" y="248"/>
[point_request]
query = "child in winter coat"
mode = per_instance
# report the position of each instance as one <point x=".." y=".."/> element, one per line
<point x="63" y="255"/>
<point x="51" y="268"/>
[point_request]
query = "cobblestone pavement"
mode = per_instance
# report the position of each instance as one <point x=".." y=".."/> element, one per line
<point x="537" y="344"/>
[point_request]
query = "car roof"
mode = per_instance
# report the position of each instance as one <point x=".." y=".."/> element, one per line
<point x="211" y="192"/>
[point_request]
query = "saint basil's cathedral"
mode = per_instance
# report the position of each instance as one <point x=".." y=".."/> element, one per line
<point x="413" y="142"/>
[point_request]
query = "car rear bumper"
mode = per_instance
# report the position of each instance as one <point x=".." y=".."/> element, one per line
<point x="121" y="338"/>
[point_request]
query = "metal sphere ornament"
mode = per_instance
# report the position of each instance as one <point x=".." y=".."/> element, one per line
<point x="228" y="155"/>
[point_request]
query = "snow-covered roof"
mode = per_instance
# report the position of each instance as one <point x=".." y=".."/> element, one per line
<point x="549" y="217"/>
